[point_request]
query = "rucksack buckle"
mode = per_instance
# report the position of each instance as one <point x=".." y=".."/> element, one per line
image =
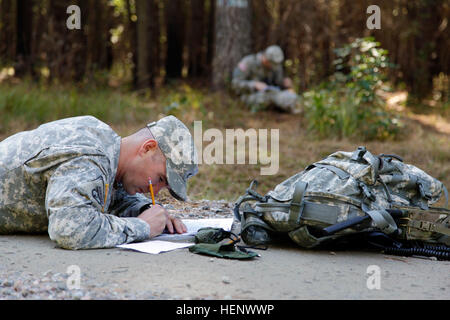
<point x="252" y="191"/>
<point x="366" y="192"/>
<point x="427" y="226"/>
<point x="422" y="191"/>
<point x="359" y="154"/>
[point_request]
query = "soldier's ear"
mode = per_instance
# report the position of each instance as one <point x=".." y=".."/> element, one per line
<point x="149" y="145"/>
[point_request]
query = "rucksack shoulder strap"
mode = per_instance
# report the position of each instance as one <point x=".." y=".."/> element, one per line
<point x="446" y="195"/>
<point x="295" y="210"/>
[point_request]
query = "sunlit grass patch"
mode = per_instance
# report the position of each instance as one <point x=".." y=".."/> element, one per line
<point x="25" y="106"/>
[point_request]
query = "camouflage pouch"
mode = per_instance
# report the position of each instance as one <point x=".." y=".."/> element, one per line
<point x="212" y="235"/>
<point x="219" y="243"/>
<point x="227" y="250"/>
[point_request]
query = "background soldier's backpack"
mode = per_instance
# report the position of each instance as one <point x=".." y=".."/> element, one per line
<point x="378" y="198"/>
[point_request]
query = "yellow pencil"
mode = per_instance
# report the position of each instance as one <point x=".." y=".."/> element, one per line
<point x="151" y="191"/>
<point x="106" y="196"/>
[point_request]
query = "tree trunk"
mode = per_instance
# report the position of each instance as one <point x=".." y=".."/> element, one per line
<point x="8" y="30"/>
<point x="143" y="68"/>
<point x="210" y="36"/>
<point x="64" y="49"/>
<point x="24" y="31"/>
<point x="233" y="38"/>
<point x="176" y="26"/>
<point x="132" y="36"/>
<point x="196" y="38"/>
<point x="261" y="25"/>
<point x="155" y="45"/>
<point x="98" y="43"/>
<point x="419" y="72"/>
<point x="353" y="16"/>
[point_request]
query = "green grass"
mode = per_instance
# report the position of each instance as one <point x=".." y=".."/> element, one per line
<point x="24" y="106"/>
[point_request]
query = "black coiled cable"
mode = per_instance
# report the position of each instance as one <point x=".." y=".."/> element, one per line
<point x="440" y="252"/>
<point x="435" y="247"/>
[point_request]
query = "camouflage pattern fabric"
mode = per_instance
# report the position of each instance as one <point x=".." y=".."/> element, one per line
<point x="250" y="70"/>
<point x="177" y="145"/>
<point x="274" y="54"/>
<point x="284" y="99"/>
<point x="346" y="186"/>
<point x="401" y="178"/>
<point x="59" y="178"/>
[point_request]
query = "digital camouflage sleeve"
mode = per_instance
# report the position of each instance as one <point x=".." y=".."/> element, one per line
<point x="250" y="69"/>
<point x="59" y="178"/>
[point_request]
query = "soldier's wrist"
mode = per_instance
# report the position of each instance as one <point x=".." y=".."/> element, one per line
<point x="145" y="207"/>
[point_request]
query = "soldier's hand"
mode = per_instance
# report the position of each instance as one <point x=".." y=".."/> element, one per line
<point x="175" y="224"/>
<point x="260" y="86"/>
<point x="156" y="217"/>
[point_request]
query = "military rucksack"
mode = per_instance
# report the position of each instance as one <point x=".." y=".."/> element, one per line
<point x="349" y="193"/>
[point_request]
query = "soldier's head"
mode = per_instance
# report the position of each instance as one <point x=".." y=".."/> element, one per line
<point x="164" y="152"/>
<point x="272" y="56"/>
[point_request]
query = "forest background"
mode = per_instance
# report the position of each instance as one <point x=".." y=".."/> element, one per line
<point x="133" y="61"/>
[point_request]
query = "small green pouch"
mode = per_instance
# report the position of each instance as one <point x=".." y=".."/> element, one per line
<point x="210" y="241"/>
<point x="213" y="235"/>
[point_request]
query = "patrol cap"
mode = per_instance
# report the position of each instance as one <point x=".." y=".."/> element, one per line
<point x="274" y="54"/>
<point x="177" y="145"/>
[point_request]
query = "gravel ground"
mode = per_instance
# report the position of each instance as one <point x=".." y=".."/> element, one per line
<point x="54" y="286"/>
<point x="51" y="285"/>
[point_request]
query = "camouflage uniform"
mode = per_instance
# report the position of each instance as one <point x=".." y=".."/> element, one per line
<point x="250" y="70"/>
<point x="60" y="178"/>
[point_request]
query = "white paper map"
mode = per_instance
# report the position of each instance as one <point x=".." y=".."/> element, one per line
<point x="155" y="246"/>
<point x="165" y="242"/>
<point x="193" y="225"/>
